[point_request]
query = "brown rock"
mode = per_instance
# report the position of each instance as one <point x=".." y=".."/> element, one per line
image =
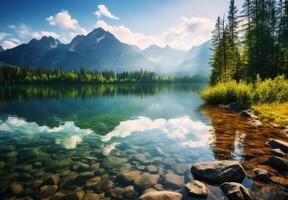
<point x="161" y="195"/>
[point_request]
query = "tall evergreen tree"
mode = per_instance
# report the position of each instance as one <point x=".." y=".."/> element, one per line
<point x="216" y="59"/>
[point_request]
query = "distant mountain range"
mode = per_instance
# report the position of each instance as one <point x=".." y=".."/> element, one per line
<point x="1" y="48"/>
<point x="101" y="50"/>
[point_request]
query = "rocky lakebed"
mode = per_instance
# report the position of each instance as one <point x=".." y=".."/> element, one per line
<point x="227" y="153"/>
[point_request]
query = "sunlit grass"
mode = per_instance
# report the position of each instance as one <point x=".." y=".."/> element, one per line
<point x="276" y="113"/>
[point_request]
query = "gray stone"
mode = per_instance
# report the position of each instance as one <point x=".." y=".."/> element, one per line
<point x="278" y="144"/>
<point x="218" y="171"/>
<point x="197" y="189"/>
<point x="279" y="163"/>
<point x="161" y="195"/>
<point x="235" y="191"/>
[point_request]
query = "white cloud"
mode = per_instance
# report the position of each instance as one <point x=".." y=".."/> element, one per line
<point x="124" y="34"/>
<point x="103" y="11"/>
<point x="8" y="44"/>
<point x="190" y="32"/>
<point x="40" y="34"/>
<point x="67" y="24"/>
<point x="3" y="35"/>
<point x="22" y="30"/>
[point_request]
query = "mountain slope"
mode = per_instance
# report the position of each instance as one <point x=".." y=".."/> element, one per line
<point x="166" y="57"/>
<point x="197" y="60"/>
<point x="1" y="48"/>
<point x="31" y="53"/>
<point x="98" y="50"/>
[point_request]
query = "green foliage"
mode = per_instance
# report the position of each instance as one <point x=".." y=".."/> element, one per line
<point x="227" y="92"/>
<point x="12" y="74"/>
<point x="271" y="90"/>
<point x="263" y="49"/>
<point x="266" y="91"/>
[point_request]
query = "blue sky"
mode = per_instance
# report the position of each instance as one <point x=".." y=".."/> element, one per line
<point x="177" y="23"/>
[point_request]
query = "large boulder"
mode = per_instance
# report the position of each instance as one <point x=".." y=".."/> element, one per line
<point x="235" y="191"/>
<point x="279" y="163"/>
<point x="218" y="171"/>
<point x="197" y="189"/>
<point x="161" y="195"/>
<point x="278" y="144"/>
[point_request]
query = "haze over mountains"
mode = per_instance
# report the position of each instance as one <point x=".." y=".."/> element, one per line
<point x="101" y="50"/>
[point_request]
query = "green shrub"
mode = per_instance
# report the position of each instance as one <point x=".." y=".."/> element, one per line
<point x="271" y="90"/>
<point x="266" y="91"/>
<point x="227" y="92"/>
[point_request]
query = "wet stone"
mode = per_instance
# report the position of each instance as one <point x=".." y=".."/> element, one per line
<point x="279" y="163"/>
<point x="47" y="191"/>
<point x="197" y="189"/>
<point x="130" y="192"/>
<point x="131" y="176"/>
<point x="152" y="168"/>
<point x="112" y="162"/>
<point x="235" y="191"/>
<point x="218" y="171"/>
<point x="261" y="174"/>
<point x="174" y="180"/>
<point x="278" y="144"/>
<point x="93" y="181"/>
<point x="146" y="180"/>
<point x="278" y="152"/>
<point x="16" y="188"/>
<point x="161" y="195"/>
<point x="90" y="195"/>
<point x="117" y="192"/>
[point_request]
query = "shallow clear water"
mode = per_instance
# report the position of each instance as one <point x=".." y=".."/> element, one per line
<point x="81" y="132"/>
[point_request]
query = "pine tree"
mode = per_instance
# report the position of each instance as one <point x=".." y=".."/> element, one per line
<point x="216" y="59"/>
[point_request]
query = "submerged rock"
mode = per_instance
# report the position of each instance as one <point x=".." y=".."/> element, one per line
<point x="112" y="162"/>
<point x="278" y="152"/>
<point x="131" y="176"/>
<point x="235" y="191"/>
<point x="256" y="123"/>
<point x="278" y="144"/>
<point x="261" y="174"/>
<point x="197" y="189"/>
<point x="146" y="180"/>
<point x="16" y="188"/>
<point x="174" y="180"/>
<point x="161" y="195"/>
<point x="117" y="192"/>
<point x="218" y="171"/>
<point x="279" y="163"/>
<point x="47" y="191"/>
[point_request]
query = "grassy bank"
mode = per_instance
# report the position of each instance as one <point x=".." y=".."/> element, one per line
<point x="268" y="97"/>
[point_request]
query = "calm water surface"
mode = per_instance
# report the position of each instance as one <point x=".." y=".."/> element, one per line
<point x="103" y="138"/>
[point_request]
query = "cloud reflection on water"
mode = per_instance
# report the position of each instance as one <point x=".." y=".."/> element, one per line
<point x="183" y="130"/>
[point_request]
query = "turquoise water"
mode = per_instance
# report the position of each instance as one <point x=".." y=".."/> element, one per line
<point x="101" y="138"/>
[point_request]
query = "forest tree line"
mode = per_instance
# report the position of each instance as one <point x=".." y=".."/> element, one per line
<point x="251" y="42"/>
<point x="13" y="74"/>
